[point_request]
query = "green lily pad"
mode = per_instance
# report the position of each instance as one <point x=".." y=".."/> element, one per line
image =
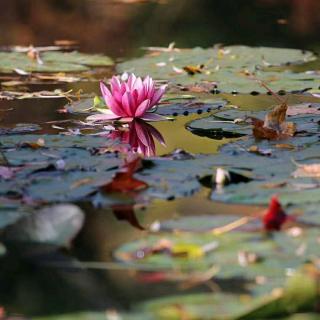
<point x="226" y="68"/>
<point x="233" y="123"/>
<point x="20" y="128"/>
<point x="271" y="262"/>
<point x="311" y="215"/>
<point x="226" y="123"/>
<point x="259" y="192"/>
<point x="52" y="62"/>
<point x="299" y="293"/>
<point x="91" y="60"/>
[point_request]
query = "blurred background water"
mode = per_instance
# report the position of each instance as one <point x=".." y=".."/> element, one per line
<point x="121" y="27"/>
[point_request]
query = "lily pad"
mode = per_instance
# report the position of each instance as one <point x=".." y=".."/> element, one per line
<point x="20" y="128"/>
<point x="234" y="123"/>
<point x="227" y="67"/>
<point x="52" y="62"/>
<point x="270" y="261"/>
<point x="296" y="295"/>
<point x="91" y="60"/>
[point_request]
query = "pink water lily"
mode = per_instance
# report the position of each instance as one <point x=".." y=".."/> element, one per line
<point x="129" y="99"/>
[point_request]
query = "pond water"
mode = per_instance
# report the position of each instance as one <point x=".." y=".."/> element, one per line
<point x="38" y="280"/>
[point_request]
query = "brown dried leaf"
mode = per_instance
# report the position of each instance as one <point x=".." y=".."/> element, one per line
<point x="274" y="126"/>
<point x="276" y="117"/>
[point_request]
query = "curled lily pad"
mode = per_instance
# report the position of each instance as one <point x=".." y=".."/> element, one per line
<point x="229" y="123"/>
<point x="237" y="123"/>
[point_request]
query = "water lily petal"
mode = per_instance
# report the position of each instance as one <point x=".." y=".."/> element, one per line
<point x="146" y="84"/>
<point x="131" y="81"/>
<point x="104" y="90"/>
<point x="128" y="104"/>
<point x="146" y="142"/>
<point x="141" y="91"/>
<point x="157" y="135"/>
<point x="142" y="108"/>
<point x="143" y="133"/>
<point x="115" y="84"/>
<point x="110" y="101"/>
<point x="153" y="117"/>
<point x="158" y="95"/>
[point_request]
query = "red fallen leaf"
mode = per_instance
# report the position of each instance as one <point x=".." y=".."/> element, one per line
<point x="275" y="216"/>
<point x="124" y="181"/>
<point x="126" y="212"/>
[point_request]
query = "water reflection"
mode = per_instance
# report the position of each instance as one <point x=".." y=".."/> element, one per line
<point x="140" y="136"/>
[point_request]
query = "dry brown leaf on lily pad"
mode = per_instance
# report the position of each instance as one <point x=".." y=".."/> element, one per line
<point x="274" y="126"/>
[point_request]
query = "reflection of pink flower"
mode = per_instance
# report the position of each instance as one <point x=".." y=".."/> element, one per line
<point x="129" y="99"/>
<point x="140" y="137"/>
